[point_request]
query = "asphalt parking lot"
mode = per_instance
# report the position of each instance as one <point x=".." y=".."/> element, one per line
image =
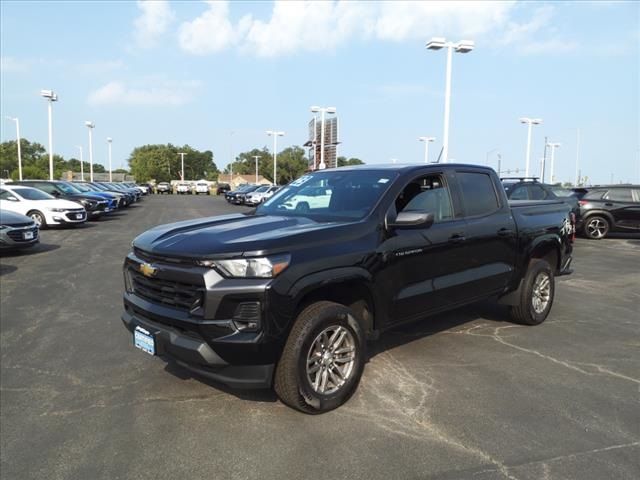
<point x="458" y="396"/>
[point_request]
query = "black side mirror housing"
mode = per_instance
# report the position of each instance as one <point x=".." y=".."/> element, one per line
<point x="411" y="220"/>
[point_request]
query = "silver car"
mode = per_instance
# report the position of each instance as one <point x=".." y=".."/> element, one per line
<point x="17" y="230"/>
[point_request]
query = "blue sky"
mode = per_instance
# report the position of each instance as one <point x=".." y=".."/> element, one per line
<point x="192" y="72"/>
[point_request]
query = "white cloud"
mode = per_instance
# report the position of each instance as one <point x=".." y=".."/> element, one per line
<point x="212" y="31"/>
<point x="154" y="93"/>
<point x="312" y="26"/>
<point x="154" y="20"/>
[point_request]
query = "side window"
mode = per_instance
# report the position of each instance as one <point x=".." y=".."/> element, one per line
<point x="45" y="187"/>
<point x="536" y="192"/>
<point x="426" y="194"/>
<point x="4" y="194"/>
<point x="478" y="193"/>
<point x="520" y="193"/>
<point x="619" y="195"/>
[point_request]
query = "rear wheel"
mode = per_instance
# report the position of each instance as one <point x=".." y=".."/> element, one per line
<point x="38" y="217"/>
<point x="536" y="295"/>
<point x="302" y="207"/>
<point x="323" y="359"/>
<point x="596" y="227"/>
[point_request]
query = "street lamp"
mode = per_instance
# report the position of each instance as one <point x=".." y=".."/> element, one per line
<point x="257" y="157"/>
<point x="322" y="111"/>
<point x="182" y="154"/>
<point x="90" y="125"/>
<point x="530" y="122"/>
<point x="486" y="161"/>
<point x="463" y="46"/>
<point x="553" y="147"/>
<point x="79" y="147"/>
<point x="426" y="141"/>
<point x="15" y="119"/>
<point x="109" y="140"/>
<point x="275" y="134"/>
<point x="51" y="97"/>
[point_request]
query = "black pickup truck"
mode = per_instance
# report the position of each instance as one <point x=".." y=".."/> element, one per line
<point x="287" y="295"/>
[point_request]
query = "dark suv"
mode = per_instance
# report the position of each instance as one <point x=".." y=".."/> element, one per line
<point x="529" y="188"/>
<point x="610" y="208"/>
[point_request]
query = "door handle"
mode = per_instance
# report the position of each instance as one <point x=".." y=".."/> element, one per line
<point x="609" y="204"/>
<point x="457" y="238"/>
<point x="505" y="232"/>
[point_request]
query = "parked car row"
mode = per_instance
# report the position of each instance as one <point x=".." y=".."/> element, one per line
<point x="250" y="195"/>
<point x="598" y="209"/>
<point x="184" y="188"/>
<point x="30" y="205"/>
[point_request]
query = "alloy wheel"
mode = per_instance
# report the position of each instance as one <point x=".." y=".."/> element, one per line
<point x="331" y="359"/>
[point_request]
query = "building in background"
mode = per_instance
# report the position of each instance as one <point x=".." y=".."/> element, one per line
<point x="241" y="179"/>
<point x="330" y="142"/>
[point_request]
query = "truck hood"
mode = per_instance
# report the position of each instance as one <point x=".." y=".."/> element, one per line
<point x="237" y="234"/>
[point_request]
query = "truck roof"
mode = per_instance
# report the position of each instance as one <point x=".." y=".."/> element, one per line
<point x="407" y="167"/>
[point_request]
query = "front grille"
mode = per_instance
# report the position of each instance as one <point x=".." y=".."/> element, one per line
<point x="148" y="257"/>
<point x="72" y="214"/>
<point x="166" y="292"/>
<point x="18" y="235"/>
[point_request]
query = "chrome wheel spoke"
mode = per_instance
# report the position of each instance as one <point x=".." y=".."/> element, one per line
<point x="331" y="359"/>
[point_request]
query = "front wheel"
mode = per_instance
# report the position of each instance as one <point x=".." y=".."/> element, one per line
<point x="323" y="359"/>
<point x="38" y="218"/>
<point x="596" y="227"/>
<point x="536" y="296"/>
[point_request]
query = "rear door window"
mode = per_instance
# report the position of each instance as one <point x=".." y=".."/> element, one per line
<point x="480" y="197"/>
<point x="536" y="192"/>
<point x="520" y="193"/>
<point x="619" y="195"/>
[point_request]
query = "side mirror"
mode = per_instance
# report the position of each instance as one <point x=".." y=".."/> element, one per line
<point x="412" y="220"/>
<point x="56" y="193"/>
<point x="11" y="198"/>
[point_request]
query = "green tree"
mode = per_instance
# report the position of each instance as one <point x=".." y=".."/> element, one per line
<point x="291" y="163"/>
<point x="33" y="155"/>
<point x="343" y="162"/>
<point x="162" y="163"/>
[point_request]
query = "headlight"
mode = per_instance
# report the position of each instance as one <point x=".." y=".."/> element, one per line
<point x="58" y="210"/>
<point x="260" y="267"/>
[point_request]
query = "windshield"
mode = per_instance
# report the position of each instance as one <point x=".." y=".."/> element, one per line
<point x="68" y="188"/>
<point x="83" y="188"/>
<point x="32" y="193"/>
<point x="261" y="189"/>
<point x="331" y="195"/>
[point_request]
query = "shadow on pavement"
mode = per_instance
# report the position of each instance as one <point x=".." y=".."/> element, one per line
<point x="253" y="395"/>
<point x="4" y="269"/>
<point x="23" y="252"/>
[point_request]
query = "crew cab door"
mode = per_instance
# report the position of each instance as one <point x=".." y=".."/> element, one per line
<point x="419" y="262"/>
<point x="490" y="234"/>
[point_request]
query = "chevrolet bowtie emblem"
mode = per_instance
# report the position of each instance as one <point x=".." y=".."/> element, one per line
<point x="147" y="269"/>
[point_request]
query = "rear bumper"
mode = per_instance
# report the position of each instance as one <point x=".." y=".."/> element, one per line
<point x="197" y="356"/>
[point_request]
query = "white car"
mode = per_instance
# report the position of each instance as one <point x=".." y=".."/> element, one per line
<point x="183" y="188"/>
<point x="309" y="198"/>
<point x="43" y="208"/>
<point x="202" y="187"/>
<point x="260" y="195"/>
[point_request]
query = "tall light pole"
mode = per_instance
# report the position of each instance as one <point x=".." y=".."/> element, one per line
<point x="463" y="46"/>
<point x="275" y="134"/>
<point x="486" y="161"/>
<point x="109" y="140"/>
<point x="79" y="147"/>
<point x="15" y="119"/>
<point x="182" y="154"/>
<point x="577" y="158"/>
<point x="322" y="111"/>
<point x="426" y="141"/>
<point x="553" y="147"/>
<point x="90" y="125"/>
<point x="530" y="122"/>
<point x="257" y="157"/>
<point x="51" y="97"/>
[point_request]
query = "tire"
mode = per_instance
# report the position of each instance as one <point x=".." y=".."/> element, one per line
<point x="38" y="217"/>
<point x="536" y="295"/>
<point x="596" y="227"/>
<point x="292" y="379"/>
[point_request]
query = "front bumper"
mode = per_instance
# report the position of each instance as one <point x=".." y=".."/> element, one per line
<point x="14" y="237"/>
<point x="195" y="316"/>
<point x="68" y="217"/>
<point x="197" y="356"/>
